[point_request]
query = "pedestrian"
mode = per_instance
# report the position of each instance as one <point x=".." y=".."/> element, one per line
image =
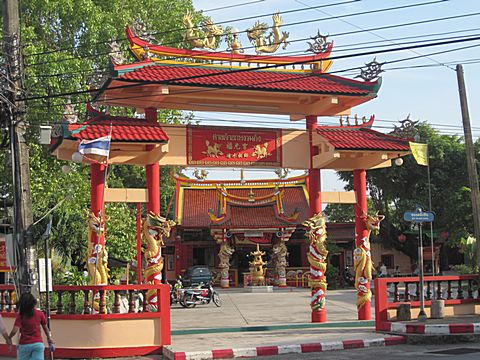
<point x="383" y="270"/>
<point x="397" y="271"/>
<point x="28" y="321"/>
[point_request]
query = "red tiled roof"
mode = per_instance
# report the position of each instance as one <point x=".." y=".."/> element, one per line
<point x="256" y="80"/>
<point x="197" y="202"/>
<point x="123" y="129"/>
<point x="362" y="139"/>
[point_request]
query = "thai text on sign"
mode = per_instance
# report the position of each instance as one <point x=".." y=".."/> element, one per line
<point x="223" y="146"/>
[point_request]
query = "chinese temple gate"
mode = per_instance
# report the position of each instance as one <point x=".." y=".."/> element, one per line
<point x="197" y="80"/>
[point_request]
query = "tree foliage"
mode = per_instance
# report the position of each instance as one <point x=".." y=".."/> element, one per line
<point x="64" y="42"/>
<point x="398" y="189"/>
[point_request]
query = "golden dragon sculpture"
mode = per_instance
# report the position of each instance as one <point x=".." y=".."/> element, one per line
<point x="362" y="261"/>
<point x="97" y="257"/>
<point x="317" y="255"/>
<point x="201" y="39"/>
<point x="155" y="228"/>
<point x="270" y="43"/>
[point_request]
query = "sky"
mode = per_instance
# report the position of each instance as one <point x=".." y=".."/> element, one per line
<point x="425" y="87"/>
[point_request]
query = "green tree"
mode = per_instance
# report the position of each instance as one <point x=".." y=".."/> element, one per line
<point x="64" y="42"/>
<point x="398" y="189"/>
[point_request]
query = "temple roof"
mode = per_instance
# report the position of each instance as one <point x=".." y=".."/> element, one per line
<point x="342" y="138"/>
<point x="196" y="202"/>
<point x="123" y="129"/>
<point x="248" y="79"/>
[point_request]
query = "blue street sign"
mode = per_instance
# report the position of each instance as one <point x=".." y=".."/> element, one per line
<point x="418" y="216"/>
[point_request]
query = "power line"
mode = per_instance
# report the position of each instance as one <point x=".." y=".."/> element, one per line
<point x="197" y="27"/>
<point x="290" y="24"/>
<point x="259" y="68"/>
<point x="89" y="72"/>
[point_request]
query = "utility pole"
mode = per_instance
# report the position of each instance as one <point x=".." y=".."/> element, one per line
<point x="471" y="161"/>
<point x="16" y="122"/>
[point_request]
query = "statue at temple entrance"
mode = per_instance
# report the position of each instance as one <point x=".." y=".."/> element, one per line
<point x="363" y="263"/>
<point x="225" y="253"/>
<point x="258" y="267"/>
<point x="317" y="255"/>
<point x="279" y="255"/>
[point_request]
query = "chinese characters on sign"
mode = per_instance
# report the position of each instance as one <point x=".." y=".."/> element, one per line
<point x="223" y="146"/>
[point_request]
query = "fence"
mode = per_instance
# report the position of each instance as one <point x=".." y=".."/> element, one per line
<point x="102" y="321"/>
<point x="461" y="294"/>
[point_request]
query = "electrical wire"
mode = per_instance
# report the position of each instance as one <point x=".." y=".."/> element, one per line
<point x="185" y="78"/>
<point x="290" y="24"/>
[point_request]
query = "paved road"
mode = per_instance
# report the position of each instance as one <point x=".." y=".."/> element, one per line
<point x="399" y="352"/>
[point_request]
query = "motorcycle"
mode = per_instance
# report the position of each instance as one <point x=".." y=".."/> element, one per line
<point x="200" y="295"/>
<point x="176" y="291"/>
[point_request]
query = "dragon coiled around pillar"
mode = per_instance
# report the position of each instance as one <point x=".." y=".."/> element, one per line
<point x="317" y="234"/>
<point x="362" y="261"/>
<point x="97" y="256"/>
<point x="155" y="228"/>
<point x="279" y="255"/>
<point x="225" y="253"/>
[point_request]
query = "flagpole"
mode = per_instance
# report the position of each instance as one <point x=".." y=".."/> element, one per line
<point x="102" y="215"/>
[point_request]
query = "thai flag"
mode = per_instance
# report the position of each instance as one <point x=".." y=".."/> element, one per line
<point x="100" y="146"/>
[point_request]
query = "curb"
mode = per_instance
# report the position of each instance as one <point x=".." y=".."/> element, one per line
<point x="434" y="329"/>
<point x="282" y="349"/>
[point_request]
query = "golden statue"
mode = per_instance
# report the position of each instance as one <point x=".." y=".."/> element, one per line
<point x="362" y="261"/>
<point x="155" y="228"/>
<point x="201" y="39"/>
<point x="317" y="255"/>
<point x="97" y="257"/>
<point x="270" y="43"/>
<point x="258" y="267"/>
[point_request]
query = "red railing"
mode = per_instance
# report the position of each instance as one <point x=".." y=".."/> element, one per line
<point x="390" y="292"/>
<point x="114" y="302"/>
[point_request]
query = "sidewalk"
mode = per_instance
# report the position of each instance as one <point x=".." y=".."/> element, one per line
<point x="252" y="324"/>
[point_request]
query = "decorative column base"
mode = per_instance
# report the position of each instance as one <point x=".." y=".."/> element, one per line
<point x="225" y="283"/>
<point x="282" y="282"/>
<point x="319" y="316"/>
<point x="365" y="312"/>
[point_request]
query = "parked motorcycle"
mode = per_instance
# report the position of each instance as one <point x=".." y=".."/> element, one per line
<point x="202" y="294"/>
<point x="176" y="291"/>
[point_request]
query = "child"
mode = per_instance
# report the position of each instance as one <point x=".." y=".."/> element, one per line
<point x="28" y="321"/>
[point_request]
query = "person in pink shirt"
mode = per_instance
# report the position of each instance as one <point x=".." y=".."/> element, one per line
<point x="28" y="321"/>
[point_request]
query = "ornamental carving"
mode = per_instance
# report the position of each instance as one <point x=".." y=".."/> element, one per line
<point x="206" y="39"/>
<point x="320" y="44"/>
<point x="268" y="43"/>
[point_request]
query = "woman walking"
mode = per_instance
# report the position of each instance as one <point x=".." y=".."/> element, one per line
<point x="28" y="321"/>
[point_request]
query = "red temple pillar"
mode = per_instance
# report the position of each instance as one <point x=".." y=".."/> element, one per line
<point x="139" y="243"/>
<point x="97" y="188"/>
<point x="361" y="232"/>
<point x="315" y="196"/>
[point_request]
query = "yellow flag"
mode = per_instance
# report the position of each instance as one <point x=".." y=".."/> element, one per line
<point x="420" y="153"/>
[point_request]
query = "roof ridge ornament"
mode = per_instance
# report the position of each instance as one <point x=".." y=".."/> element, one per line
<point x="206" y="39"/>
<point x="140" y="30"/>
<point x="371" y="71"/>
<point x="270" y="43"/>
<point x="69" y="113"/>
<point x="115" y="54"/>
<point x="407" y="129"/>
<point x="320" y="44"/>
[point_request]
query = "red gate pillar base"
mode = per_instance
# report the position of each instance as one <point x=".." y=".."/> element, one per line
<point x="365" y="312"/>
<point x="319" y="316"/>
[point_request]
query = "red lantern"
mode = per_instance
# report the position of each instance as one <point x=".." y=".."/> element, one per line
<point x="402" y="238"/>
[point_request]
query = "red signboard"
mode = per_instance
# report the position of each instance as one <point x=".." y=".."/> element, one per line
<point x="224" y="146"/>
